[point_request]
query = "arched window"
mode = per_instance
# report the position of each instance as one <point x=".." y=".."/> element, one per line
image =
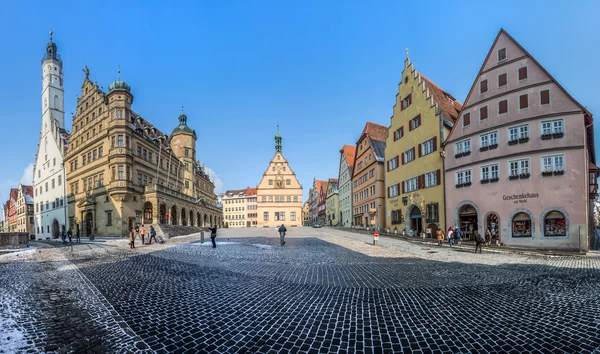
<point x="555" y="224"/>
<point x="521" y="225"/>
<point x="56" y="106"/>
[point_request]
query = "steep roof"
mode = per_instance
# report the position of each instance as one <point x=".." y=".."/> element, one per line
<point x="250" y="192"/>
<point x="350" y="152"/>
<point x="447" y="104"/>
<point x="28" y="190"/>
<point x="324" y="185"/>
<point x="378" y="149"/>
<point x="14" y="193"/>
<point x="333" y="180"/>
<point x="234" y="193"/>
<point x="375" y="131"/>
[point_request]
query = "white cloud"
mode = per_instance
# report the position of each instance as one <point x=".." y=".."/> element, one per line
<point x="216" y="179"/>
<point x="27" y="178"/>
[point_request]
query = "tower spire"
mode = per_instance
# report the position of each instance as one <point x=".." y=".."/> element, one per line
<point x="278" y="140"/>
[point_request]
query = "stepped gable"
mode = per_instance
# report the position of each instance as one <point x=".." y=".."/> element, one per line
<point x="446" y="103"/>
<point x="375" y="131"/>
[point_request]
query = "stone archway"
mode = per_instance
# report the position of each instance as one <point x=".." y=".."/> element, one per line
<point x="198" y="220"/>
<point x="147" y="213"/>
<point x="162" y="213"/>
<point x="89" y="223"/>
<point x="492" y="222"/>
<point x="413" y="221"/>
<point x="173" y="215"/>
<point x="191" y="218"/>
<point x="543" y="226"/>
<point x="205" y="219"/>
<point x="461" y="207"/>
<point x="183" y="217"/>
<point x="520" y="223"/>
<point x="55" y="229"/>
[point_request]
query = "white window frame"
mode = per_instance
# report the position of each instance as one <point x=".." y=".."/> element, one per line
<point x="553" y="164"/>
<point x="461" y="176"/>
<point x="414" y="123"/>
<point x="519" y="68"/>
<point x="498" y="80"/>
<point x="411" y="151"/>
<point x="479" y="111"/>
<point x="411" y="185"/>
<point x="549" y="96"/>
<point x="520" y="166"/>
<point x="393" y="190"/>
<point x="498" y="52"/>
<point x="519" y="129"/>
<point x="428" y="143"/>
<point x="490" y="174"/>
<point x="431" y="179"/>
<point x="519" y="102"/>
<point x="393" y="163"/>
<point x="460" y="146"/>
<point x="552" y="127"/>
<point x="488" y="137"/>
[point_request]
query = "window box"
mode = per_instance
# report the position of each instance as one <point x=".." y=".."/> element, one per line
<point x="546" y="136"/>
<point x="484" y="148"/>
<point x="484" y="181"/>
<point x="523" y="140"/>
<point x="460" y="154"/>
<point x="513" y="177"/>
<point x="493" y="146"/>
<point x="559" y="172"/>
<point x="467" y="153"/>
<point x="546" y="173"/>
<point x="558" y="135"/>
<point x="493" y="180"/>
<point x="524" y="175"/>
<point x="467" y="184"/>
<point x="460" y="185"/>
<point x="513" y="142"/>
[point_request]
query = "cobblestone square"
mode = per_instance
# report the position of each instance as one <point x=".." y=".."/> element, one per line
<point x="325" y="291"/>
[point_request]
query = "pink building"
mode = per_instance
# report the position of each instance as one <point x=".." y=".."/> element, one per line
<point x="251" y="207"/>
<point x="520" y="159"/>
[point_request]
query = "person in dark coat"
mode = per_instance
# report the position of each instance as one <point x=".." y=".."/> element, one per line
<point x="213" y="235"/>
<point x="64" y="235"/>
<point x="69" y="234"/>
<point x="282" y="231"/>
<point x="152" y="234"/>
<point x="131" y="238"/>
<point x="478" y="242"/>
<point x="77" y="236"/>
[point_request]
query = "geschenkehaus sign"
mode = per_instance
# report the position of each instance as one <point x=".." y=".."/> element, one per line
<point x="520" y="198"/>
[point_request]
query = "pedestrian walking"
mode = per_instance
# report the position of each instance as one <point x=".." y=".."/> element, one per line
<point x="282" y="231"/>
<point x="77" y="236"/>
<point x="440" y="237"/>
<point x="450" y="237"/>
<point x="488" y="237"/>
<point x="142" y="233"/>
<point x="63" y="235"/>
<point x="132" y="238"/>
<point x="152" y="234"/>
<point x="213" y="235"/>
<point x="478" y="242"/>
<point x="69" y="234"/>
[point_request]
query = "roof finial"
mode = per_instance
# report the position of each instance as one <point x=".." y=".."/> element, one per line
<point x="406" y="53"/>
<point x="51" y="33"/>
<point x="119" y="72"/>
<point x="182" y="107"/>
<point x="278" y="127"/>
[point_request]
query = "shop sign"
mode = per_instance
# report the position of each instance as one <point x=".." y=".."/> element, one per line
<point x="520" y="198"/>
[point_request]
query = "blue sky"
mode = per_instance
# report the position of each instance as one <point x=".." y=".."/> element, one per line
<point x="320" y="69"/>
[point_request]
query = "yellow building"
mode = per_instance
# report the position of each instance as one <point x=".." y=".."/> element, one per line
<point x="279" y="193"/>
<point x="423" y="116"/>
<point x="333" y="203"/>
<point x="234" y="208"/>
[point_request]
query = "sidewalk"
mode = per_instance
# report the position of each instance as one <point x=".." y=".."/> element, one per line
<point x="468" y="245"/>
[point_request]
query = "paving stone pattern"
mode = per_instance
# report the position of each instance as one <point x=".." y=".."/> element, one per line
<point x="311" y="296"/>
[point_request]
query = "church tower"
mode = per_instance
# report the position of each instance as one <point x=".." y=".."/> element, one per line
<point x="50" y="210"/>
<point x="183" y="144"/>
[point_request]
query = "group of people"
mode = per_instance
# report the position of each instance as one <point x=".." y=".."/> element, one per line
<point x="69" y="235"/>
<point x="140" y="232"/>
<point x="454" y="233"/>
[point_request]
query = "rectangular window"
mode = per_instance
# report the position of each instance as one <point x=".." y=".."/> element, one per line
<point x="109" y="218"/>
<point x="270" y="182"/>
<point x="271" y="198"/>
<point x="415" y="122"/>
<point x="488" y="139"/>
<point x="411" y="185"/>
<point x="544" y="97"/>
<point x="483" y="86"/>
<point x="150" y="159"/>
<point x="553" y="163"/>
<point x="406" y="102"/>
<point x="462" y="147"/>
<point x="393" y="191"/>
<point x="187" y="152"/>
<point x="409" y="155"/>
<point x="501" y="54"/>
<point x="264" y="199"/>
<point x="432" y="212"/>
<point x="490" y="172"/>
<point x="523" y="73"/>
<point x="119" y="114"/>
<point x="145" y="154"/>
<point x="360" y="165"/>
<point x="84" y="159"/>
<point x="293" y="216"/>
<point x="466" y="119"/>
<point x="139" y="179"/>
<point x="427" y="147"/>
<point x="120" y="140"/>
<point x="295" y="198"/>
<point x="502" y="80"/>
<point x="399" y="133"/>
<point x="518" y="167"/>
<point x="100" y="151"/>
<point x="503" y="107"/>
<point x="483" y="113"/>
<point x="101" y="180"/>
<point x="393" y="163"/>
<point x="120" y="173"/>
<point x="95" y="155"/>
<point x="266" y="216"/>
<point x="288" y="182"/>
<point x="139" y="151"/>
<point x="523" y="101"/>
<point x="463" y="177"/>
<point x="431" y="179"/>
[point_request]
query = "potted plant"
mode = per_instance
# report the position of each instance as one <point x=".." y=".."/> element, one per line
<point x="484" y="181"/>
<point x="467" y="183"/>
<point x="524" y="175"/>
<point x="511" y="177"/>
<point x="558" y="135"/>
<point x="493" y="146"/>
<point x="523" y="140"/>
<point x="460" y="154"/>
<point x="460" y="185"/>
<point x="559" y="172"/>
<point x="546" y="173"/>
<point x="546" y="136"/>
<point x="467" y="153"/>
<point x="513" y="142"/>
<point x="484" y="148"/>
<point x="495" y="179"/>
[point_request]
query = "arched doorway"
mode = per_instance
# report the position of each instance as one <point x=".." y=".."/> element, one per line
<point x="162" y="210"/>
<point x="198" y="220"/>
<point x="433" y="230"/>
<point x="147" y="213"/>
<point x="191" y="218"/>
<point x="414" y="220"/>
<point x="89" y="223"/>
<point x="467" y="221"/>
<point x="205" y="219"/>
<point x="173" y="215"/>
<point x="55" y="229"/>
<point x="492" y="223"/>
<point x="183" y="217"/>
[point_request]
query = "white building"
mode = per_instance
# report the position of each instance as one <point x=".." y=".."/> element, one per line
<point x="49" y="174"/>
<point x="347" y="155"/>
<point x="234" y="208"/>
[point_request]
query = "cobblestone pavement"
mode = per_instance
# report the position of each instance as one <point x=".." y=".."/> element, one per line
<point x="325" y="291"/>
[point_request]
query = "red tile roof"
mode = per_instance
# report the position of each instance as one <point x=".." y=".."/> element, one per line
<point x="28" y="190"/>
<point x="250" y="192"/>
<point x="333" y="180"/>
<point x="375" y="131"/>
<point x="350" y="152"/>
<point x="447" y="104"/>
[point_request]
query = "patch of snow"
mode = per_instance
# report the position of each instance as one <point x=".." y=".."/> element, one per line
<point x="262" y="246"/>
<point x="11" y="336"/>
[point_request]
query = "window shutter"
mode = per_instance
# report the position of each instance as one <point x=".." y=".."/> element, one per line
<point x="410" y="99"/>
<point x="437" y="177"/>
<point x="502" y="80"/>
<point x="403" y="188"/>
<point x="402" y="158"/>
<point x="388" y="191"/>
<point x="397" y="160"/>
<point x="401" y="131"/>
<point x="410" y="125"/>
<point x="523" y="73"/>
<point x="435" y="143"/>
<point x="419" y="119"/>
<point x="466" y="119"/>
<point x="413" y="149"/>
<point x="545" y="97"/>
<point x="421" y="181"/>
<point x="502" y="106"/>
<point x="388" y="166"/>
<point x="420" y="150"/>
<point x="523" y="101"/>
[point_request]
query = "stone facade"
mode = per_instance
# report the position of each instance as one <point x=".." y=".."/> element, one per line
<point x="520" y="159"/>
<point x="279" y="193"/>
<point x="422" y="119"/>
<point x="122" y="171"/>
